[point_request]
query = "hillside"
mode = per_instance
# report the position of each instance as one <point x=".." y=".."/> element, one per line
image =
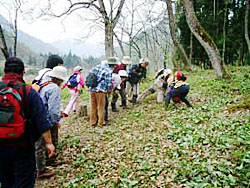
<point x="147" y="146"/>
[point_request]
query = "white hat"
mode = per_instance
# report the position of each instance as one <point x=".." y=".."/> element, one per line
<point x="78" y="68"/>
<point x="126" y="60"/>
<point x="59" y="72"/>
<point x="123" y="73"/>
<point x="143" y="60"/>
<point x="167" y="72"/>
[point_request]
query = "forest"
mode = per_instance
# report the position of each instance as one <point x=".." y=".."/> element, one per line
<point x="147" y="144"/>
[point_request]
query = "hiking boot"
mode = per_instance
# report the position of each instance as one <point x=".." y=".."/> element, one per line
<point x="54" y="163"/>
<point x="113" y="106"/>
<point x="46" y="173"/>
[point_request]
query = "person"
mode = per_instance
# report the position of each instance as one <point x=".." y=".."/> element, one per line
<point x="17" y="159"/>
<point x="103" y="73"/>
<point x="51" y="96"/>
<point x="136" y="74"/>
<point x="158" y="86"/>
<point x="116" y="82"/>
<point x="52" y="61"/>
<point x="74" y="91"/>
<point x="124" y="77"/>
<point x="123" y="65"/>
<point x="178" y="89"/>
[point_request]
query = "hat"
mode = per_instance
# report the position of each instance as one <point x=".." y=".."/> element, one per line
<point x="180" y="76"/>
<point x="78" y="68"/>
<point x="123" y="73"/>
<point x="112" y="61"/>
<point x="54" y="60"/>
<point x="14" y="64"/>
<point x="143" y="60"/>
<point x="59" y="72"/>
<point x="126" y="60"/>
<point x="167" y="72"/>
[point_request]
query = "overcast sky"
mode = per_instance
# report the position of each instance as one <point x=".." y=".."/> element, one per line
<point x="50" y="30"/>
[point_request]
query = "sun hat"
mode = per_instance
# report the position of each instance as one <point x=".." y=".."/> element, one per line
<point x="113" y="60"/>
<point x="78" y="68"/>
<point x="126" y="60"/>
<point x="123" y="73"/>
<point x="59" y="72"/>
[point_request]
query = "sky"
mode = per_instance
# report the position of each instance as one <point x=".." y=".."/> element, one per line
<point x="53" y="29"/>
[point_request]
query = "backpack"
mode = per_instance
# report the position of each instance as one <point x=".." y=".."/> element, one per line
<point x="91" y="80"/>
<point x="12" y="115"/>
<point x="72" y="81"/>
<point x="36" y="84"/>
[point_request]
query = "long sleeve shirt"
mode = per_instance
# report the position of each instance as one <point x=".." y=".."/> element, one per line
<point x="104" y="78"/>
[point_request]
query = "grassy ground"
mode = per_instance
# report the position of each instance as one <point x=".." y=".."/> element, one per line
<point x="148" y="146"/>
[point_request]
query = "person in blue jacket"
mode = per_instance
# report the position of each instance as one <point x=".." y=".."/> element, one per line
<point x="17" y="159"/>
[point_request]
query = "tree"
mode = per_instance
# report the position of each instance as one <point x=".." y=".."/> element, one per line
<point x="246" y="26"/>
<point x="203" y="37"/>
<point x="100" y="9"/>
<point x="173" y="32"/>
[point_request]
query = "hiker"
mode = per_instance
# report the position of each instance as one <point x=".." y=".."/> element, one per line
<point x="124" y="78"/>
<point x="53" y="60"/>
<point x="136" y="74"/>
<point x="102" y="74"/>
<point x="158" y="86"/>
<point x="75" y="84"/>
<point x="123" y="65"/>
<point x="178" y="89"/>
<point x="50" y="93"/>
<point x="17" y="156"/>
<point x="116" y="82"/>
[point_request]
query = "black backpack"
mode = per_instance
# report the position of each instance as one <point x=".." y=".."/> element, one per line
<point x="91" y="80"/>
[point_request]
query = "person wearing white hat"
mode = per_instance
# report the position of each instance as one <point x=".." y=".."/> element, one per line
<point x="116" y="85"/>
<point x="75" y="83"/>
<point x="50" y="92"/>
<point x="158" y="86"/>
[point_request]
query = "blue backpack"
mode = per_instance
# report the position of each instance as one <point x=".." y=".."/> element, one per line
<point x="91" y="80"/>
<point x="72" y="81"/>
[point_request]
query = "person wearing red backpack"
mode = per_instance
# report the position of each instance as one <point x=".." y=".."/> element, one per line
<point x="17" y="152"/>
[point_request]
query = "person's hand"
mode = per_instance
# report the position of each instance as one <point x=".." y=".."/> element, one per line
<point x="50" y="149"/>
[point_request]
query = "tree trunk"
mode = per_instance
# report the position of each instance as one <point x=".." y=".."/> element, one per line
<point x="191" y="47"/>
<point x="4" y="49"/>
<point x="173" y="32"/>
<point x="204" y="38"/>
<point x="246" y="27"/>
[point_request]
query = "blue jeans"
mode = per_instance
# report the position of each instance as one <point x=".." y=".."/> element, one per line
<point x="180" y="92"/>
<point x="17" y="167"/>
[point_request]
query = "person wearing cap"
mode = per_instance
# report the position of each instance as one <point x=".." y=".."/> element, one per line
<point x="178" y="89"/>
<point x="159" y="86"/>
<point x="136" y="74"/>
<point x="98" y="94"/>
<point x="53" y="60"/>
<point x="17" y="159"/>
<point x="74" y="91"/>
<point x="51" y="96"/>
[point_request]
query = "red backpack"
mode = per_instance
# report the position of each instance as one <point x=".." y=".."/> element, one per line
<point x="12" y="118"/>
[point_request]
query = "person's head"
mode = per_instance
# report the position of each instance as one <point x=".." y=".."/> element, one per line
<point x="14" y="65"/>
<point x="144" y="62"/>
<point x="112" y="62"/>
<point x="54" y="60"/>
<point x="180" y="76"/>
<point x="126" y="60"/>
<point x="78" y="68"/>
<point x="58" y="74"/>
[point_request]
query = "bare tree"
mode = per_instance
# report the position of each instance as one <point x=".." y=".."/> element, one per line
<point x="204" y="38"/>
<point x="106" y="12"/>
<point x="3" y="47"/>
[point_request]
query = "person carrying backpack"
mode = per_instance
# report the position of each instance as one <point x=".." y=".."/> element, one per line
<point x="27" y="120"/>
<point x="75" y="83"/>
<point x="43" y="74"/>
<point x="136" y="74"/>
<point x="51" y="96"/>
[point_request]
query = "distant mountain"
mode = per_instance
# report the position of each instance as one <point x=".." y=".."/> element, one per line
<point x="80" y="48"/>
<point x="25" y="39"/>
